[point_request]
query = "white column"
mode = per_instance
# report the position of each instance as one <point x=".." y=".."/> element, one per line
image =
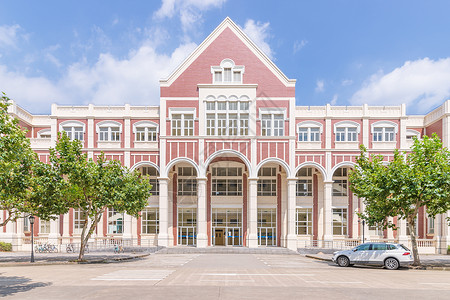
<point x="127" y="227"/>
<point x="291" y="238"/>
<point x="66" y="226"/>
<point x="54" y="231"/>
<point x="19" y="233"/>
<point x="328" y="211"/>
<point x="163" y="236"/>
<point x="90" y="132"/>
<point x="252" y="239"/>
<point x="202" y="235"/>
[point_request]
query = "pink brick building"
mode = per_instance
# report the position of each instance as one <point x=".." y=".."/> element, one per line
<point x="233" y="160"/>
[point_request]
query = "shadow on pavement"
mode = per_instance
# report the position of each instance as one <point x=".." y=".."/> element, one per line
<point x="14" y="284"/>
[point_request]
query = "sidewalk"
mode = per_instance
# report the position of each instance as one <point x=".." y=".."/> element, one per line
<point x="23" y="258"/>
<point x="428" y="261"/>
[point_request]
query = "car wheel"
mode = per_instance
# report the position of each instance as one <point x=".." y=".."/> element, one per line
<point x="343" y="261"/>
<point x="391" y="263"/>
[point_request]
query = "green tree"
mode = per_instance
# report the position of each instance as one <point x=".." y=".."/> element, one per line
<point x="420" y="178"/>
<point x="27" y="186"/>
<point x="93" y="186"/>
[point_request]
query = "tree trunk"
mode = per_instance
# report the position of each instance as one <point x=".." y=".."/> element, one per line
<point x="85" y="239"/>
<point x="412" y="233"/>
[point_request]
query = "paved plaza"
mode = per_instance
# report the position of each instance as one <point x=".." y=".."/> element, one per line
<point x="219" y="276"/>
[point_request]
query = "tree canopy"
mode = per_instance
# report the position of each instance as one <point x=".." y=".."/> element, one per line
<point x="27" y="185"/>
<point x="419" y="178"/>
<point x="95" y="185"/>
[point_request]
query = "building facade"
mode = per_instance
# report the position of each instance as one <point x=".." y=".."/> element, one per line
<point x="232" y="159"/>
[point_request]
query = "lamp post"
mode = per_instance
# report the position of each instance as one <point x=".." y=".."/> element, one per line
<point x="31" y="218"/>
<point x="363" y="223"/>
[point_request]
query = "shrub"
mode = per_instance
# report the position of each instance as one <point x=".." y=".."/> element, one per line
<point x="5" y="246"/>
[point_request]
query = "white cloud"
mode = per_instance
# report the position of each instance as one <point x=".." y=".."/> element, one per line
<point x="9" y="35"/>
<point x="421" y="84"/>
<point x="334" y="100"/>
<point x="259" y="33"/>
<point x="320" y="86"/>
<point x="347" y="82"/>
<point x="110" y="81"/>
<point x="299" y="45"/>
<point x="189" y="11"/>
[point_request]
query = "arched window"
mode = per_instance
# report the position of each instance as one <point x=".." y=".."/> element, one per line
<point x="346" y="131"/>
<point x="145" y="131"/>
<point x="227" y="72"/>
<point x="109" y="131"/>
<point x="384" y="131"/>
<point x="309" y="131"/>
<point x="44" y="134"/>
<point x="75" y="130"/>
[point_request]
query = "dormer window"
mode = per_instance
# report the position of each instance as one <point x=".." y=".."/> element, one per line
<point x="227" y="72"/>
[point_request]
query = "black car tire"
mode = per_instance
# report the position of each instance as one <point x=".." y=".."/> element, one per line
<point x="391" y="263"/>
<point x="343" y="261"/>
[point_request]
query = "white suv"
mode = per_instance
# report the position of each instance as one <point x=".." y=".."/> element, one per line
<point x="392" y="256"/>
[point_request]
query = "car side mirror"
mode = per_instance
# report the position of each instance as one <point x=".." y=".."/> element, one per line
<point x="354" y="250"/>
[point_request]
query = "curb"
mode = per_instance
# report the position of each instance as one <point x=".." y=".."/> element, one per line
<point x="56" y="263"/>
<point x="441" y="268"/>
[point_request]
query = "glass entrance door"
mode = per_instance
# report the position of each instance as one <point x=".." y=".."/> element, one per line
<point x="227" y="226"/>
<point x="187" y="226"/>
<point x="267" y="236"/>
<point x="187" y="236"/>
<point x="267" y="226"/>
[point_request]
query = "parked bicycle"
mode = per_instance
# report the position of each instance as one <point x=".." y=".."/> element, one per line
<point x="70" y="248"/>
<point x="46" y="248"/>
<point x="118" y="249"/>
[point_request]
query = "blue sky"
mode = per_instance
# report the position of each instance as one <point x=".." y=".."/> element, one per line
<point x="343" y="52"/>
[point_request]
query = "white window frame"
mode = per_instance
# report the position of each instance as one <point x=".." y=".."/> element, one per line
<point x="44" y="134"/>
<point x="184" y="180"/>
<point x="411" y="133"/>
<point x="227" y="65"/>
<point x="78" y="221"/>
<point x="113" y="225"/>
<point x="183" y="111"/>
<point x="110" y="132"/>
<point x="44" y="224"/>
<point x="265" y="180"/>
<point x="73" y="133"/>
<point x="147" y="126"/>
<point x="340" y="180"/>
<point x="305" y="180"/>
<point x="147" y="223"/>
<point x="226" y="179"/>
<point x="383" y="125"/>
<point x="346" y="125"/>
<point x="305" y="129"/>
<point x="308" y="211"/>
<point x="343" y="228"/>
<point x="232" y="122"/>
<point x="270" y="130"/>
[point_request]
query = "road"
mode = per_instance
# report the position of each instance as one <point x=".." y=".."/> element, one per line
<point x="220" y="276"/>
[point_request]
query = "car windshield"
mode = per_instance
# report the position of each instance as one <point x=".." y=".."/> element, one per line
<point x="404" y="247"/>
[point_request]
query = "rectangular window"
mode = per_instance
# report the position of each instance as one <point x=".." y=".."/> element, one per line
<point x="155" y="186"/>
<point x="304" y="221"/>
<point x="103" y="136"/>
<point x="304" y="187"/>
<point x="244" y="105"/>
<point x="351" y="134"/>
<point x="233" y="124"/>
<point x="267" y="187"/>
<point x="346" y="134"/>
<point x="278" y="125"/>
<point x="226" y="187"/>
<point x="232" y="106"/>
<point x="340" y="134"/>
<point x="303" y="135"/>
<point x="115" y="134"/>
<point x="236" y="76"/>
<point x="340" y="187"/>
<point x="187" y="217"/>
<point x="26" y="224"/>
<point x="182" y="125"/>
<point x="140" y="134"/>
<point x="210" y="124"/>
<point x="227" y="75"/>
<point x="218" y="76"/>
<point x="267" y="217"/>
<point x="221" y="105"/>
<point x="187" y="187"/>
<point x="383" y="134"/>
<point x="150" y="220"/>
<point x="266" y="125"/>
<point x="378" y="134"/>
<point x="267" y="172"/>
<point x="74" y="133"/>
<point x="389" y="134"/>
<point x="115" y="222"/>
<point x="221" y="124"/>
<point x="44" y="226"/>
<point x="430" y="225"/>
<point x="309" y="134"/>
<point x="339" y="221"/>
<point x="210" y="105"/>
<point x="243" y="124"/>
<point x="79" y="219"/>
